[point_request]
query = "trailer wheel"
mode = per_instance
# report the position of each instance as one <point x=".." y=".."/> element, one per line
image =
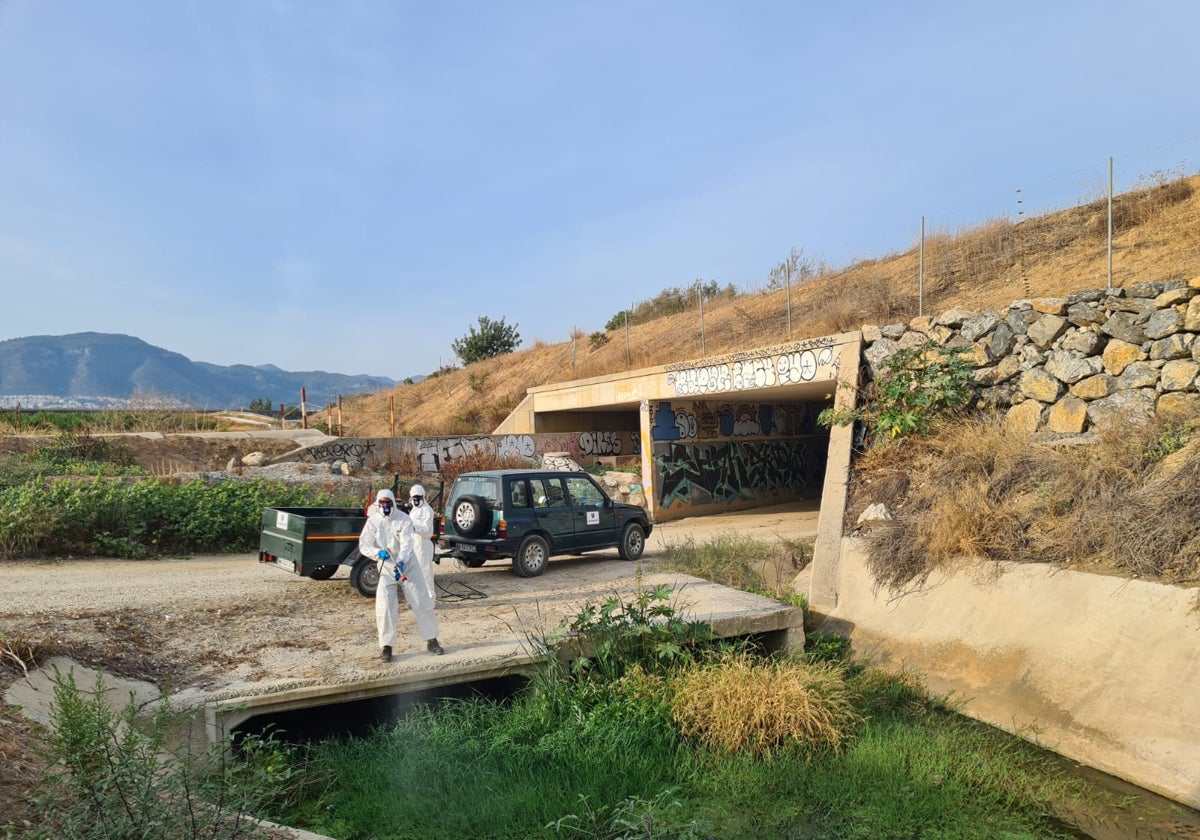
<point x="471" y="516"/>
<point x="323" y="572"/>
<point x="364" y="577"/>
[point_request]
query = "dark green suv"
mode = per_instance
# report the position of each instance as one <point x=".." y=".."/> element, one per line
<point x="532" y="515"/>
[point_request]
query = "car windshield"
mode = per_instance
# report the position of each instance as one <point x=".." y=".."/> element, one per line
<point x="484" y="487"/>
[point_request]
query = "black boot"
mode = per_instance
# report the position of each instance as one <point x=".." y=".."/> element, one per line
<point x="433" y="647"/>
<point x="386" y="654"/>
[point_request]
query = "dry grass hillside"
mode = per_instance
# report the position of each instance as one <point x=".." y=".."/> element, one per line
<point x="1156" y="238"/>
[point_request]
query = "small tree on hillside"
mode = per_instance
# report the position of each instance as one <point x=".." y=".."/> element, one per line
<point x="796" y="269"/>
<point x="493" y="338"/>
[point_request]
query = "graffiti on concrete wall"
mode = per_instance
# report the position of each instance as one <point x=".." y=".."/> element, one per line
<point x="350" y="451"/>
<point x="434" y="453"/>
<point x="721" y="421"/>
<point x="727" y="472"/>
<point x="810" y="360"/>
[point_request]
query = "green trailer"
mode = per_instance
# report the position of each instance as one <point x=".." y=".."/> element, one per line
<point x="313" y="541"/>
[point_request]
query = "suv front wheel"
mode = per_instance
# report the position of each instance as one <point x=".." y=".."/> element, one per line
<point x="633" y="542"/>
<point x="532" y="556"/>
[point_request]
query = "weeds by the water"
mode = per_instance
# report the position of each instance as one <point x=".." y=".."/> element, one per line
<point x="114" y="773"/>
<point x="634" y="744"/>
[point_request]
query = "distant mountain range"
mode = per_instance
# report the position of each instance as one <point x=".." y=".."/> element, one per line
<point x="102" y="370"/>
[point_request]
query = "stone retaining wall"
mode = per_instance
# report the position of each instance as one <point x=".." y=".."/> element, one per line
<point x="1066" y="365"/>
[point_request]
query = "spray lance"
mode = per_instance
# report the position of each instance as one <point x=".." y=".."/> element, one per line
<point x="398" y="570"/>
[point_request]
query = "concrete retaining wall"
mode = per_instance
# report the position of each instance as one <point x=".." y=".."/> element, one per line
<point x="1100" y="669"/>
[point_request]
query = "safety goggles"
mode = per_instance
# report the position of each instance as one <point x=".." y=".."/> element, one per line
<point x="416" y="500"/>
<point x="385" y="506"/>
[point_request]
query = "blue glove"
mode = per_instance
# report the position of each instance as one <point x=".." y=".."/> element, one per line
<point x="399" y="573"/>
<point x="383" y="554"/>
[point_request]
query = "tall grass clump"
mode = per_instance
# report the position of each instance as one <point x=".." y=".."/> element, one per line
<point x="116" y="774"/>
<point x="738" y="703"/>
<point x="144" y="518"/>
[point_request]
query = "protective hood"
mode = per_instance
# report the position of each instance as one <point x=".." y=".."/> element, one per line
<point x="386" y="494"/>
<point x="416" y="490"/>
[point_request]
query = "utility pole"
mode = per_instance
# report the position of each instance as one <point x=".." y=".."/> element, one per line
<point x="787" y="273"/>
<point x="627" y="360"/>
<point x="1110" y="191"/>
<point x="921" y="274"/>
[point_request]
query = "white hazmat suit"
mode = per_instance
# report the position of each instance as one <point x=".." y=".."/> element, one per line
<point x="387" y="538"/>
<point x="421" y="515"/>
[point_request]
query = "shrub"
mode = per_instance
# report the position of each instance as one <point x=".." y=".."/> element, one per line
<point x="603" y="641"/>
<point x="119" y="776"/>
<point x="914" y="385"/>
<point x="140" y="519"/>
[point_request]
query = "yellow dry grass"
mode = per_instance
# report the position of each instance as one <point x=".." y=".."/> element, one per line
<point x="991" y="264"/>
<point x="742" y="704"/>
<point x="1125" y="505"/>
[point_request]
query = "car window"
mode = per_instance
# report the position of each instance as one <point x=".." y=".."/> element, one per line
<point x="583" y="492"/>
<point x="518" y="496"/>
<point x="486" y="488"/>
<point x="548" y="492"/>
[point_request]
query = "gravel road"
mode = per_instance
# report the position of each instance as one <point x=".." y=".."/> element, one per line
<point x="229" y="624"/>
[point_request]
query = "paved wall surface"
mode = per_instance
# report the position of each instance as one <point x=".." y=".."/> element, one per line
<point x="1100" y="669"/>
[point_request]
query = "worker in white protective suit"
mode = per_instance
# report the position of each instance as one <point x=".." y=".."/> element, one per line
<point x="387" y="538"/>
<point x="421" y="515"/>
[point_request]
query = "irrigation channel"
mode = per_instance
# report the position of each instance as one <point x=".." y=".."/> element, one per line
<point x="1140" y="815"/>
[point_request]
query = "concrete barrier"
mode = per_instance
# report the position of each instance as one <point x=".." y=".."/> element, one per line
<point x="1103" y="670"/>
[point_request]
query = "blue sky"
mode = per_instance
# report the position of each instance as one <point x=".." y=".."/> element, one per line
<point x="348" y="186"/>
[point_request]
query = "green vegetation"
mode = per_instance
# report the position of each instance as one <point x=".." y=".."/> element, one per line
<point x="669" y="301"/>
<point x="704" y="742"/>
<point x="913" y="386"/>
<point x="494" y="338"/>
<point x="117" y="420"/>
<point x="144" y="518"/>
<point x="741" y="562"/>
<point x="119" y="775"/>
<point x="70" y="453"/>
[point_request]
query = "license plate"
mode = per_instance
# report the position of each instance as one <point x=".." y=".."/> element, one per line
<point x="468" y="549"/>
<point x="290" y="565"/>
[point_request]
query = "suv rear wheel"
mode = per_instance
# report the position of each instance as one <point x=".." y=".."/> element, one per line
<point x="532" y="556"/>
<point x="633" y="542"/>
<point x="470" y="516"/>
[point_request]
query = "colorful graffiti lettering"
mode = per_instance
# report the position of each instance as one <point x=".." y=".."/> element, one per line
<point x="698" y="474"/>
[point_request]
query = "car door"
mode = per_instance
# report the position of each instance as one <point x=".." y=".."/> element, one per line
<point x="595" y="521"/>
<point x="553" y="512"/>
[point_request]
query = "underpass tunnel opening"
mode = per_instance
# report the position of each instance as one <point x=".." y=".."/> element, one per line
<point x="706" y="456"/>
<point x="357" y="718"/>
<point x="713" y="456"/>
<point x="715" y="435"/>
